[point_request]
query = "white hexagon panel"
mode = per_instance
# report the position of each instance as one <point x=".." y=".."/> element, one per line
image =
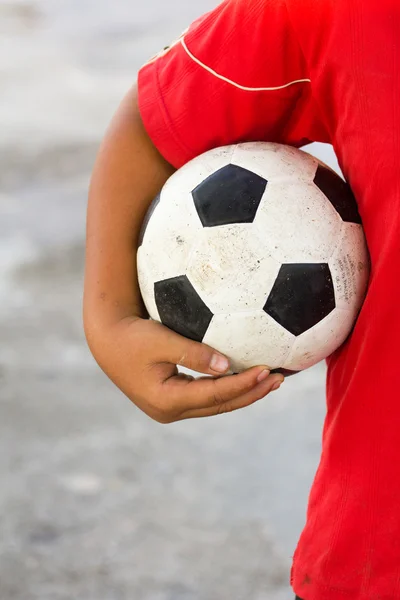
<point x="275" y="162"/>
<point x="320" y="341"/>
<point x="170" y="233"/>
<point x="147" y="278"/>
<point x="231" y="269"/>
<point x="349" y="266"/>
<point x="249" y="339"/>
<point x="298" y="223"/>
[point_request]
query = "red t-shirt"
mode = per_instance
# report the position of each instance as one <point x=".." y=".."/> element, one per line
<point x="296" y="71"/>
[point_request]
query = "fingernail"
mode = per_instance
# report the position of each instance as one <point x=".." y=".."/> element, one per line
<point x="276" y="386"/>
<point x="219" y="363"/>
<point x="263" y="376"/>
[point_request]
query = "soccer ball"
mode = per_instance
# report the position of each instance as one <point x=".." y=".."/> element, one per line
<point x="257" y="250"/>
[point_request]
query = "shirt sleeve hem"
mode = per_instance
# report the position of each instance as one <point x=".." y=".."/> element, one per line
<point x="156" y="119"/>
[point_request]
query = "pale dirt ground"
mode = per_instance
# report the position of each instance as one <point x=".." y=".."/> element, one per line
<point x="96" y="501"/>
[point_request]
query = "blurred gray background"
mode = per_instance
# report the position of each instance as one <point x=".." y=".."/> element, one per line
<point x="97" y="502"/>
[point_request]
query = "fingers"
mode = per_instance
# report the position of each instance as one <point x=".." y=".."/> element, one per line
<point x="192" y="355"/>
<point x="210" y="394"/>
<point x="222" y="401"/>
<point x="176" y="397"/>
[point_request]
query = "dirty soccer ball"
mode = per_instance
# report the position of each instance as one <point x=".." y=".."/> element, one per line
<point x="258" y="250"/>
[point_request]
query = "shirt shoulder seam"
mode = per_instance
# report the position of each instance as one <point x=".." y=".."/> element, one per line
<point x="234" y="83"/>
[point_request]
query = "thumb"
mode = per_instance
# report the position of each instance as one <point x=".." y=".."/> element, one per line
<point x="195" y="356"/>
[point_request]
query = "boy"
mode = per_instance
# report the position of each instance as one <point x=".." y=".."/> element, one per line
<point x="288" y="71"/>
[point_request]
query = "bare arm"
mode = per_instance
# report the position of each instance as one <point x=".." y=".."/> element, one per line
<point x="140" y="355"/>
<point x="128" y="174"/>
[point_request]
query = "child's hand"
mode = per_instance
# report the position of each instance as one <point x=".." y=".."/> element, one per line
<point x="140" y="356"/>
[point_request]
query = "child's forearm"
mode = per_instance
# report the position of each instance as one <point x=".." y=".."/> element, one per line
<point x="128" y="174"/>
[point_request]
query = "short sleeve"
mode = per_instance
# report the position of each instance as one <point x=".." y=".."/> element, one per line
<point x="237" y="74"/>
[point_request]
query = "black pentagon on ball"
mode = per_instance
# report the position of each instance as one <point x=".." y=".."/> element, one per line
<point x="181" y="308"/>
<point x="301" y="297"/>
<point x="339" y="194"/>
<point x="285" y="372"/>
<point x="230" y="195"/>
